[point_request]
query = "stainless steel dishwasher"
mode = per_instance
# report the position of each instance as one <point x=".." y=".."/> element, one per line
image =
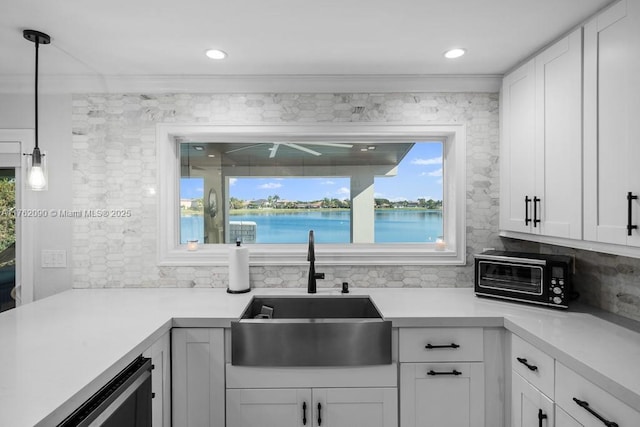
<point x="125" y="401"/>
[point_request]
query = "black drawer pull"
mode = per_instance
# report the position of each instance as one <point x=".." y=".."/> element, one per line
<point x="304" y="413"/>
<point x="525" y="363"/>
<point x="585" y="405"/>
<point x="319" y="414"/>
<point x="527" y="200"/>
<point x="454" y="372"/>
<point x="630" y="227"/>
<point x="541" y="416"/>
<point x="431" y="347"/>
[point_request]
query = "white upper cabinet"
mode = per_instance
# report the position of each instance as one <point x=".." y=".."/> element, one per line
<point x="558" y="159"/>
<point x="517" y="148"/>
<point x="541" y="143"/>
<point x="612" y="125"/>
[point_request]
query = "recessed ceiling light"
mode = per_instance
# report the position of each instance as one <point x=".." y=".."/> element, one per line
<point x="216" y="54"/>
<point x="454" y="53"/>
<point x="198" y="147"/>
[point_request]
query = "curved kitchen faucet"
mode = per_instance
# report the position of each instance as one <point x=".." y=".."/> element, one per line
<point x="311" y="257"/>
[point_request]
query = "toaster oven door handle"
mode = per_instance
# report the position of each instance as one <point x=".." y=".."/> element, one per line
<point x="510" y="259"/>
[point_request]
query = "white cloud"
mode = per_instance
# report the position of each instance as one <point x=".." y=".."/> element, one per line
<point x="270" y="186"/>
<point x="232" y="181"/>
<point x="343" y="191"/>
<point x="437" y="172"/>
<point x="425" y="162"/>
<point x="327" y="183"/>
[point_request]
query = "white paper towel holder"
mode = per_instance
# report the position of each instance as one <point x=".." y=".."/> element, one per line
<point x="239" y="291"/>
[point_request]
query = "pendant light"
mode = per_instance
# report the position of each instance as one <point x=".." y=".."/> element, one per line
<point x="37" y="172"/>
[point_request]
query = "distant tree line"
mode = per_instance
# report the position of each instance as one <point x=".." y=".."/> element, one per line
<point x="276" y="201"/>
<point x="421" y="203"/>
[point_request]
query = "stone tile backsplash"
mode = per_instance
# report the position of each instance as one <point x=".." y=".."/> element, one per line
<point x="609" y="282"/>
<point x="115" y="168"/>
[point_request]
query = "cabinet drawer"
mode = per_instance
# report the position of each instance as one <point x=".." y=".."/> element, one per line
<point x="570" y="386"/>
<point x="441" y="344"/>
<point x="533" y="365"/>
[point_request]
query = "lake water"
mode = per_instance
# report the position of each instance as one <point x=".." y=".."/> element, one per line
<point x="391" y="226"/>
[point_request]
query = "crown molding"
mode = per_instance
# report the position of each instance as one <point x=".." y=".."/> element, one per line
<point x="251" y="83"/>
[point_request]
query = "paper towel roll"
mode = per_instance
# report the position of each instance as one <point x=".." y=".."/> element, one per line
<point x="238" y="269"/>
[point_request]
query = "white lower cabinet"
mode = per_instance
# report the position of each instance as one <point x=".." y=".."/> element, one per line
<point x="314" y="407"/>
<point x="589" y="405"/>
<point x="442" y="380"/>
<point x="442" y="394"/>
<point x="160" y="355"/>
<point x="530" y="407"/>
<point x="198" y="377"/>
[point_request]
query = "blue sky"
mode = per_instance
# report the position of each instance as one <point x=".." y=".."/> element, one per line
<point x="419" y="176"/>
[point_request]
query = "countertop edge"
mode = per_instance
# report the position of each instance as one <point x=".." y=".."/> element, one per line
<point x="63" y="411"/>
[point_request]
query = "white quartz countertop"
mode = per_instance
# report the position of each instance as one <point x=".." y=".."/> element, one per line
<point x="56" y="352"/>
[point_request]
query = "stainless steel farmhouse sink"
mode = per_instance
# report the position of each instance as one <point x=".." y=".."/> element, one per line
<point x="311" y="331"/>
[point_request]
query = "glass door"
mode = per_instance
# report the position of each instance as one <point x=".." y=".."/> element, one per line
<point x="7" y="239"/>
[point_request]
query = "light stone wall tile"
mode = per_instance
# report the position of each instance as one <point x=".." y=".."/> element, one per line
<point x="114" y="165"/>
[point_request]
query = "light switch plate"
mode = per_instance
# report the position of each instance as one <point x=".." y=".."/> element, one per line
<point x="51" y="258"/>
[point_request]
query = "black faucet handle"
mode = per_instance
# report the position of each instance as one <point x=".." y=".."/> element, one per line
<point x="311" y="252"/>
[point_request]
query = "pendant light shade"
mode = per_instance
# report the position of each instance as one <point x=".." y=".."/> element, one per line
<point x="36" y="169"/>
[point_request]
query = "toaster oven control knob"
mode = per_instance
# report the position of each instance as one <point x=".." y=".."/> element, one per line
<point x="557" y="290"/>
<point x="557" y="300"/>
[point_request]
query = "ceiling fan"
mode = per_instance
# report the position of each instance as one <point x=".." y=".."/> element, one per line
<point x="301" y="146"/>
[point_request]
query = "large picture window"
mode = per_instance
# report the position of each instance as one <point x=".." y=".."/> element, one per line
<point x="346" y="193"/>
<point x="372" y="194"/>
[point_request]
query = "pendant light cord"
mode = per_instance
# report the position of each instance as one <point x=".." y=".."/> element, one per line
<point x="36" y="93"/>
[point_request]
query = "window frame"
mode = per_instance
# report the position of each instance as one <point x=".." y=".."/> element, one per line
<point x="170" y="253"/>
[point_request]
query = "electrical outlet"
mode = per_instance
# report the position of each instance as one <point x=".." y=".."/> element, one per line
<point x="52" y="258"/>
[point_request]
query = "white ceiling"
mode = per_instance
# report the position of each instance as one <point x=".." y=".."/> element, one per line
<point x="281" y="37"/>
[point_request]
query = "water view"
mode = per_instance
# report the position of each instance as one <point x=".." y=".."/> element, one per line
<point x="391" y="226"/>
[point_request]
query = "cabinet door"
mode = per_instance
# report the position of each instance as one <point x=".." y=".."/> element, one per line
<point x="160" y="353"/>
<point x="611" y="110"/>
<point x="517" y="151"/>
<point x="198" y="388"/>
<point x="529" y="406"/>
<point x="269" y="407"/>
<point x="432" y="395"/>
<point x="558" y="157"/>
<point x="355" y="407"/>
